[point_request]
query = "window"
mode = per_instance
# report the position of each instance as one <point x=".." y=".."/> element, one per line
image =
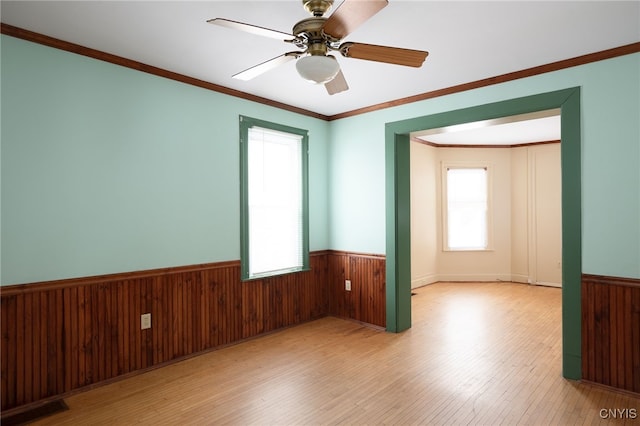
<point x="274" y="199"/>
<point x="466" y="208"/>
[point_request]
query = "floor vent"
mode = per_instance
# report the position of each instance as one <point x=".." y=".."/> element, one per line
<point x="27" y="417"/>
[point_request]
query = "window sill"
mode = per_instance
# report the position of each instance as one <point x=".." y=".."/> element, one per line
<point x="277" y="273"/>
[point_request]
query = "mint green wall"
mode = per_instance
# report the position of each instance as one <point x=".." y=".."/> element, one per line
<point x="106" y="169"/>
<point x="610" y="161"/>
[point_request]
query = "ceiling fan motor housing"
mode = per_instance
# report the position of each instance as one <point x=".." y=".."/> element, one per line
<point x="317" y="7"/>
<point x="309" y="31"/>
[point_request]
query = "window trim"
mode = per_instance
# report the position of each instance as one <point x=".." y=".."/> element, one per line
<point x="245" y="124"/>
<point x="445" y="166"/>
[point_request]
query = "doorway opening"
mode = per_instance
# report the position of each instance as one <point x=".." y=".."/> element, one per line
<point x="398" y="214"/>
<point x="503" y="222"/>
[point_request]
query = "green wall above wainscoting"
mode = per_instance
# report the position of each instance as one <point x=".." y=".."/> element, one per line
<point x="106" y="169"/>
<point x="610" y="149"/>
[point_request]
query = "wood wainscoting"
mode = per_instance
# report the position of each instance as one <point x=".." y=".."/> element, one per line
<point x="64" y="335"/>
<point x="61" y="336"/>
<point x="611" y="331"/>
<point x="366" y="302"/>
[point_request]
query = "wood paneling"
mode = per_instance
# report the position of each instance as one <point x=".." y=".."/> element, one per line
<point x="611" y="331"/>
<point x="65" y="335"/>
<point x="366" y="302"/>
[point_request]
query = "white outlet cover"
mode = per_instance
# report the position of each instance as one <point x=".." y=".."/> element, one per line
<point x="145" y="321"/>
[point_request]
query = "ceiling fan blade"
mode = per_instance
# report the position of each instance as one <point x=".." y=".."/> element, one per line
<point x="390" y="55"/>
<point x="253" y="29"/>
<point x="350" y="15"/>
<point x="337" y="84"/>
<point x="256" y="70"/>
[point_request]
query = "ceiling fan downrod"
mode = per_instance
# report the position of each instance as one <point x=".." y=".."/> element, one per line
<point x="317" y="8"/>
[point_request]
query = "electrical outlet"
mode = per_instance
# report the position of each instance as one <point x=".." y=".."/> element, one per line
<point x="145" y="321"/>
<point x="347" y="285"/>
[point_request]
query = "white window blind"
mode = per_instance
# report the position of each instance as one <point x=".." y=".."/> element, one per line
<point x="275" y="201"/>
<point x="467" y="208"/>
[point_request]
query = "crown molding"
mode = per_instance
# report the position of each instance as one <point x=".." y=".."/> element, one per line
<point x="529" y="72"/>
<point x="139" y="66"/>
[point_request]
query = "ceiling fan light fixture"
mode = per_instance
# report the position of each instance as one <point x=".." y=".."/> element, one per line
<point x="317" y="69"/>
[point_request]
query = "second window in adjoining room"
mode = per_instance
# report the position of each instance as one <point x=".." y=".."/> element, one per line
<point x="466" y="207"/>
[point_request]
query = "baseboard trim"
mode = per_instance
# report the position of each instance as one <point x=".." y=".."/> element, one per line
<point x="473" y="277"/>
<point x="424" y="280"/>
<point x="519" y="278"/>
<point x="545" y="284"/>
<point x="362" y="323"/>
<point x="35" y="413"/>
<point x="610" y="389"/>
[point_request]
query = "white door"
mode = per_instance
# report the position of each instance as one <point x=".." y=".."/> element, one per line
<point x="547" y="217"/>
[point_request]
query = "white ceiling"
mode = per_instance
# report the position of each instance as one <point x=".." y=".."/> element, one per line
<point x="467" y="41"/>
<point x="542" y="126"/>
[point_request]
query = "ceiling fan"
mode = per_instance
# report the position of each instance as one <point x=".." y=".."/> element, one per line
<point x="316" y="36"/>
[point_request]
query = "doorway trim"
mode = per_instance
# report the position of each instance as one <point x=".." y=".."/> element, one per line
<point x="398" y="213"/>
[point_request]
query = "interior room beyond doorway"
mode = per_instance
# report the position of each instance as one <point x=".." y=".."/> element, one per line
<point x="524" y="220"/>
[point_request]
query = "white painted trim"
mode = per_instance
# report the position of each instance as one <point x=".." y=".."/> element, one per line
<point x="517" y="278"/>
<point x="475" y="277"/>
<point x="558" y="285"/>
<point x="424" y="280"/>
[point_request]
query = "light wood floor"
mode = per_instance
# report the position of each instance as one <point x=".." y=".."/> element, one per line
<point x="478" y="353"/>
